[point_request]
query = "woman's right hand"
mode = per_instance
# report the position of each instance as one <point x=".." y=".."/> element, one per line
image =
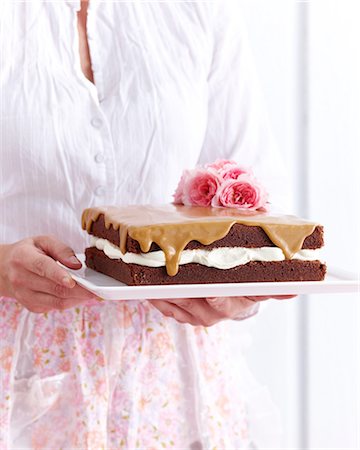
<point x="29" y="273"/>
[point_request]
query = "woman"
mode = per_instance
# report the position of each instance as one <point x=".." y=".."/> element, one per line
<point x="107" y="103"/>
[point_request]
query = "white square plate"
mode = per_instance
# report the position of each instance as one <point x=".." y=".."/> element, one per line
<point x="110" y="289"/>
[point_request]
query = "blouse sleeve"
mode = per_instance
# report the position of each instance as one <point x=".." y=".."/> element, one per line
<point x="238" y="126"/>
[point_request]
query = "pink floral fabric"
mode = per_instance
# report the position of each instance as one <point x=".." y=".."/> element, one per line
<point x="117" y="375"/>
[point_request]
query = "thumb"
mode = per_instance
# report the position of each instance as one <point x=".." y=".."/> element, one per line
<point x="58" y="251"/>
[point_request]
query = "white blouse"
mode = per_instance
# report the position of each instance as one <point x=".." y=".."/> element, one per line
<point x="174" y="86"/>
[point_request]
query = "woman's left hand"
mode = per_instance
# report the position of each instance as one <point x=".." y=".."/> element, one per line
<point x="209" y="311"/>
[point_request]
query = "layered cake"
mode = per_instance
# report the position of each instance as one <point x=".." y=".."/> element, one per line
<point x="173" y="244"/>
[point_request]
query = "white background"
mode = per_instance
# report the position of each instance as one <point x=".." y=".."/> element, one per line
<point x="307" y="350"/>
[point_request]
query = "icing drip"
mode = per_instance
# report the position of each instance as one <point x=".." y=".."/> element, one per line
<point x="172" y="227"/>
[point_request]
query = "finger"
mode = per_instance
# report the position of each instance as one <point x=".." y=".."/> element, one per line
<point x="38" y="302"/>
<point x="40" y="284"/>
<point x="43" y="266"/>
<point x="283" y="297"/>
<point x="52" y="302"/>
<point x="199" y="308"/>
<point x="249" y="312"/>
<point x="171" y="310"/>
<point x="229" y="307"/>
<point x="260" y="298"/>
<point x="58" y="251"/>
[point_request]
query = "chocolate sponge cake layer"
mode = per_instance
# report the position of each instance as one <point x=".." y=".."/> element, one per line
<point x="255" y="271"/>
<point x="238" y="236"/>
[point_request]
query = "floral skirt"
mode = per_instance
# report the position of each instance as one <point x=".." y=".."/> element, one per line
<point x="120" y="375"/>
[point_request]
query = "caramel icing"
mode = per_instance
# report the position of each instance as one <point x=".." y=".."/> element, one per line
<point x="172" y="227"/>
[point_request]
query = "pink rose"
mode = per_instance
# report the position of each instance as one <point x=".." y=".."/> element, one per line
<point x="200" y="187"/>
<point x="179" y="193"/>
<point x="243" y="193"/>
<point x="231" y="171"/>
<point x="220" y="163"/>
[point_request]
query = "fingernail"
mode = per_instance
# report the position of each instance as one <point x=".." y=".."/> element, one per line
<point x="68" y="282"/>
<point x="96" y="298"/>
<point x="73" y="259"/>
<point x="93" y="301"/>
<point x="216" y="303"/>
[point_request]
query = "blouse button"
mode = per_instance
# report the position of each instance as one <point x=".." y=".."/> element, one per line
<point x="99" y="158"/>
<point x="100" y="191"/>
<point x="96" y="122"/>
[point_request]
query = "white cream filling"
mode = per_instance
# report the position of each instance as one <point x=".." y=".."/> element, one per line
<point x="220" y="258"/>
